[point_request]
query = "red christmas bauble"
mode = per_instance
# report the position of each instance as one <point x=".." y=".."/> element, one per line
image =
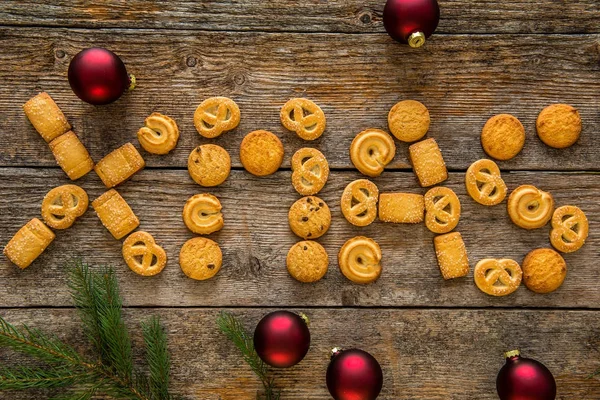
<point x="411" y="21"/>
<point x="98" y="76"/>
<point x="524" y="379"/>
<point x="354" y="375"/>
<point x="282" y="339"/>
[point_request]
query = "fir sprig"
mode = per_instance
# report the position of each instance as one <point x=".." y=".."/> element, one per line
<point x="235" y="331"/>
<point x="111" y="373"/>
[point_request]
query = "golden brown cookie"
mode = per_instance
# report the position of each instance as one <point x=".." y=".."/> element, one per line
<point x="371" y="150"/>
<point x="115" y="214"/>
<point x="261" y="153"/>
<point x="428" y="163"/>
<point x="544" y="270"/>
<point x="360" y="260"/>
<point x="63" y="205"/>
<point x="46" y="117"/>
<point x="71" y="155"/>
<point x="142" y="255"/>
<point x="503" y="137"/>
<point x="559" y="125"/>
<point x="209" y="165"/>
<point x="200" y="258"/>
<point x="442" y="209"/>
<point x="160" y="134"/>
<point x="310" y="171"/>
<point x="529" y="207"/>
<point x="303" y="117"/>
<point x="202" y="214"/>
<point x="309" y="217"/>
<point x="215" y="116"/>
<point x="401" y="208"/>
<point x="484" y="183"/>
<point x="451" y="255"/>
<point x="359" y="202"/>
<point x="498" y="277"/>
<point x="569" y="229"/>
<point x="409" y="120"/>
<point x="307" y="261"/>
<point x="28" y="243"/>
<point x="119" y="165"/>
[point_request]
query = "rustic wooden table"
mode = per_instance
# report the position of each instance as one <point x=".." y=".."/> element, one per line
<point x="434" y="339"/>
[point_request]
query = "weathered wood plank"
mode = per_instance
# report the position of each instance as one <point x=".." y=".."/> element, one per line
<point x="355" y="78"/>
<point x="424" y="354"/>
<point x="458" y="16"/>
<point x="256" y="239"/>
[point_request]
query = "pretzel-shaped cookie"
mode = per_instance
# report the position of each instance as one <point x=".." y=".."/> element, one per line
<point x="371" y="150"/>
<point x="569" y="229"/>
<point x="484" y="183"/>
<point x="498" y="277"/>
<point x="63" y="205"/>
<point x="303" y="117"/>
<point x="310" y="171"/>
<point x="215" y="116"/>
<point x="442" y="209"/>
<point x="142" y="255"/>
<point x="529" y="207"/>
<point x="202" y="214"/>
<point x="359" y="202"/>
<point x="360" y="260"/>
<point x="160" y="134"/>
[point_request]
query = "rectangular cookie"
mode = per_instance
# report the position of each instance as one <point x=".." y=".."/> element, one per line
<point x="403" y="208"/>
<point x="28" y="243"/>
<point x="428" y="163"/>
<point x="71" y="155"/>
<point x="119" y="165"/>
<point x="46" y="117"/>
<point x="115" y="214"/>
<point x="451" y="254"/>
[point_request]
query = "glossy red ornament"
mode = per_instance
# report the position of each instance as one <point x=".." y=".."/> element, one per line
<point x="354" y="375"/>
<point x="282" y="339"/>
<point x="524" y="379"/>
<point x="411" y="21"/>
<point x="98" y="76"/>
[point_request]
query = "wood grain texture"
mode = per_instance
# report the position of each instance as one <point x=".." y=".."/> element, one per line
<point x="424" y="354"/>
<point x="256" y="239"/>
<point x="457" y="16"/>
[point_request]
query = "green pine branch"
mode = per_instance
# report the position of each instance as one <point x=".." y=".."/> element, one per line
<point x="157" y="356"/>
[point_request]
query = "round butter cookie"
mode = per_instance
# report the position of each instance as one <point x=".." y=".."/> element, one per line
<point x="261" y="153"/>
<point x="209" y="165"/>
<point x="409" y="120"/>
<point x="559" y="125"/>
<point x="200" y="258"/>
<point x="309" y="217"/>
<point x="307" y="261"/>
<point x="503" y="137"/>
<point x="544" y="270"/>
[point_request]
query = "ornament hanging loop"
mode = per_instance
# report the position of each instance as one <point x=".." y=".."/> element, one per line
<point x="416" y="40"/>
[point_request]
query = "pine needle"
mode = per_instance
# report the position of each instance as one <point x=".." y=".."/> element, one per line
<point x="157" y="356"/>
<point x="20" y="378"/>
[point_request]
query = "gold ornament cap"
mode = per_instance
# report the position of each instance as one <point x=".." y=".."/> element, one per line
<point x="416" y="39"/>
<point x="512" y="353"/>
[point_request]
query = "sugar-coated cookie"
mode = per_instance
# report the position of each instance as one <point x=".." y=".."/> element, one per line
<point x="202" y="214"/>
<point x="309" y="217"/>
<point x="503" y="137"/>
<point x="46" y="117"/>
<point x="28" y="243"/>
<point x="160" y="134"/>
<point x="451" y="255"/>
<point x="570" y="229"/>
<point x="200" y="258"/>
<point x="209" y="165"/>
<point x="216" y="115"/>
<point x="142" y="255"/>
<point x="442" y="209"/>
<point x="498" y="277"/>
<point x="303" y="117"/>
<point x="310" y="171"/>
<point x="529" y="207"/>
<point x="559" y="125"/>
<point x="359" y="202"/>
<point x="63" y="205"/>
<point x="360" y="260"/>
<point x="484" y="183"/>
<point x="71" y="155"/>
<point x="307" y="261"/>
<point x="544" y="270"/>
<point x="371" y="150"/>
<point x="119" y="165"/>
<point x="401" y="208"/>
<point x="115" y="214"/>
<point x="428" y="163"/>
<point x="409" y="120"/>
<point x="261" y="153"/>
